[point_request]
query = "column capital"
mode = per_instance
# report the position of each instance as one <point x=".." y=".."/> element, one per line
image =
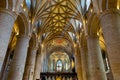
<point x="6" y="11"/>
<point x="34" y="48"/>
<point x="114" y="11"/>
<point x="24" y="36"/>
<point x="92" y="36"/>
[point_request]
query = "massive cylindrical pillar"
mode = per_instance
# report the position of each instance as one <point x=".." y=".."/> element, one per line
<point x="30" y="64"/>
<point x="38" y="66"/>
<point x="18" y="63"/>
<point x="84" y="61"/>
<point x="96" y="69"/>
<point x="78" y="63"/>
<point x="7" y="19"/>
<point x="110" y="21"/>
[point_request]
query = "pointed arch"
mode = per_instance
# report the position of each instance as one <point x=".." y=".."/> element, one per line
<point x="93" y="24"/>
<point x="23" y="24"/>
<point x="34" y="41"/>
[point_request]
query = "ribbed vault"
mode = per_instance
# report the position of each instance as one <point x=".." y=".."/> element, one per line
<point x="58" y="19"/>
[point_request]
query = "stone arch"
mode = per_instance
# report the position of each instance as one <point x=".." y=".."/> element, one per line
<point x="61" y="49"/>
<point x="14" y="4"/>
<point x="93" y="25"/>
<point x="8" y="4"/>
<point x="23" y="24"/>
<point x="33" y="41"/>
<point x="50" y="43"/>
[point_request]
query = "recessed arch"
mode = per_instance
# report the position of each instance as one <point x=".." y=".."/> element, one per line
<point x="93" y="24"/>
<point x="22" y="23"/>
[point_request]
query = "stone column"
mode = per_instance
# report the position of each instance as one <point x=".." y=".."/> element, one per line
<point x="84" y="53"/>
<point x="110" y="21"/>
<point x="78" y="67"/>
<point x="38" y="66"/>
<point x="78" y="64"/>
<point x="30" y="64"/>
<point x="19" y="58"/>
<point x="7" y="19"/>
<point x="96" y="69"/>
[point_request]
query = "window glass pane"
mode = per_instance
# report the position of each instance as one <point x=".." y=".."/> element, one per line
<point x="59" y="65"/>
<point x="28" y="3"/>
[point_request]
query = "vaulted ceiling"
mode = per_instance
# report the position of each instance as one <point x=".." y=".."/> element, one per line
<point x="59" y="23"/>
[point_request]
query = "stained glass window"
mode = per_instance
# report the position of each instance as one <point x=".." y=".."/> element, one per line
<point x="59" y="65"/>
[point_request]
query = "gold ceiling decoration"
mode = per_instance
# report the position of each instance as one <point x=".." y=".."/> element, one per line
<point x="57" y="19"/>
<point x="56" y="15"/>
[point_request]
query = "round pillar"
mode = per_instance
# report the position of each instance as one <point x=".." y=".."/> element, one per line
<point x="84" y="62"/>
<point x="78" y="64"/>
<point x="110" y="21"/>
<point x="7" y="19"/>
<point x="96" y="69"/>
<point x="38" y="66"/>
<point x="19" y="58"/>
<point x="30" y="64"/>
